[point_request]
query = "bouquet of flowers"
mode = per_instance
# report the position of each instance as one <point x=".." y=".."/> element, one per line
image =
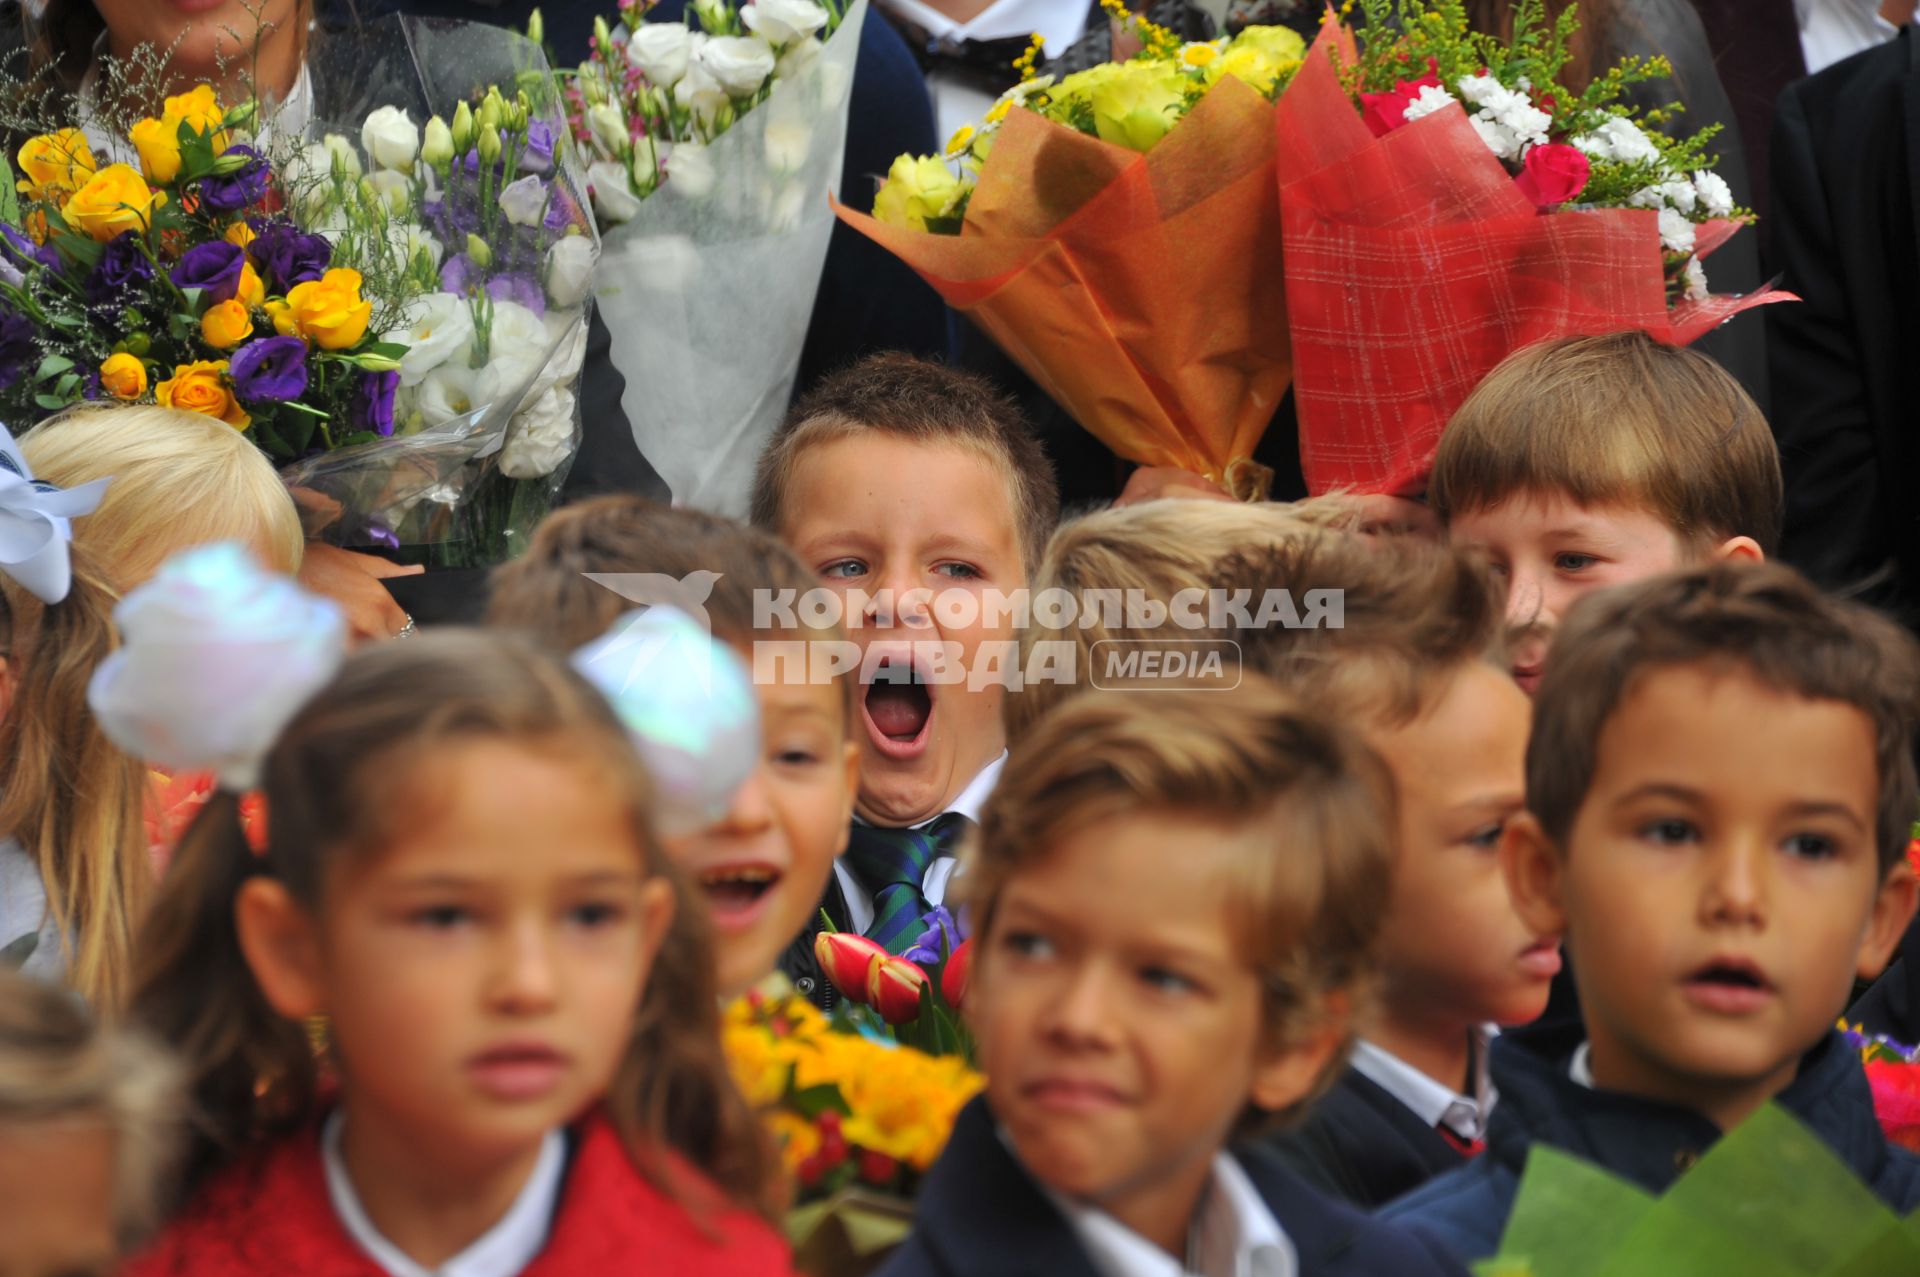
<point x="1445" y="201"/>
<point x="1116" y="234"/>
<point x="712" y="151"/>
<point x="858" y="1119"/>
<point x="914" y="997"/>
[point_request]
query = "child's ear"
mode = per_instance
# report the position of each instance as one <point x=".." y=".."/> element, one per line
<point x="277" y="936"/>
<point x="1892" y="910"/>
<point x="1531" y="865"/>
<point x="1738" y="549"/>
<point x="850" y="761"/>
<point x="1282" y="1078"/>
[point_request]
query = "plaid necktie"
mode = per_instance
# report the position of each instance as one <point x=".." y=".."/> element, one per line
<point x="891" y="864"/>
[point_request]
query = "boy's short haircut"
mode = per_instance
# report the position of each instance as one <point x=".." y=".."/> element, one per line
<point x="910" y="398"/>
<point x="1764" y="620"/>
<point x="179" y="479"/>
<point x="1616" y="419"/>
<point x="1308" y="907"/>
<point x="58" y="1064"/>
<point x="547" y="592"/>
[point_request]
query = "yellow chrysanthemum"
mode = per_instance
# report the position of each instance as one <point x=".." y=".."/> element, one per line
<point x="960" y="141"/>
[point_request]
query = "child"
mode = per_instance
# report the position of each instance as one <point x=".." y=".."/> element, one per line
<point x="1593" y="461"/>
<point x="1719" y="790"/>
<point x="765" y="868"/>
<point x="1175" y="901"/>
<point x="73" y="869"/>
<point x="525" y="1059"/>
<point x="180" y="479"/>
<point x="86" y="1124"/>
<point x="916" y="492"/>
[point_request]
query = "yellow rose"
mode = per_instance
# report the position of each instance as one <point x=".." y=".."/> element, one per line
<point x="199" y="108"/>
<point x="123" y="376"/>
<point x="252" y="290"/>
<point x="239" y="235"/>
<point x="202" y="387"/>
<point x="327" y="311"/>
<point x="1284" y="43"/>
<point x="114" y="200"/>
<point x="226" y="324"/>
<point x="56" y="161"/>
<point x="1136" y="109"/>
<point x="158" y="142"/>
<point x="918" y="188"/>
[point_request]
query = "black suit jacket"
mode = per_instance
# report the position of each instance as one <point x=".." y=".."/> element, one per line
<point x="980" y="1214"/>
<point x="798" y="963"/>
<point x="1845" y="377"/>
<point x="1364" y="1146"/>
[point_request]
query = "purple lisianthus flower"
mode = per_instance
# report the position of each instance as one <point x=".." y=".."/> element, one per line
<point x="537" y="157"/>
<point x="524" y="289"/>
<point x="285" y="255"/>
<point x="270" y="370"/>
<point x="122" y="268"/>
<point x="373" y="402"/>
<point x="460" y="274"/>
<point x="231" y="192"/>
<point x="562" y="211"/>
<point x="20" y="249"/>
<point x="17" y="350"/>
<point x="213" y="268"/>
<point x="940" y="935"/>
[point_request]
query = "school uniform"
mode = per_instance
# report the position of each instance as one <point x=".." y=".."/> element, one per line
<point x="1547" y="1096"/>
<point x="980" y="1214"/>
<point x="1386" y="1128"/>
<point x="586" y="1210"/>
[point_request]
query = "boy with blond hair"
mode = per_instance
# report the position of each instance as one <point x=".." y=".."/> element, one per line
<point x="1593" y="461"/>
<point x="915" y="493"/>
<point x="1719" y="789"/>
<point x="1175" y="900"/>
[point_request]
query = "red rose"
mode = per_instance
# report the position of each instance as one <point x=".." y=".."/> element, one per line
<point x="1896" y="1100"/>
<point x="1554" y="174"/>
<point x="1385" y="112"/>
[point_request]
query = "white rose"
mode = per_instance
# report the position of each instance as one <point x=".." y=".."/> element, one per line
<point x="798" y="56"/>
<point x="613" y="203"/>
<point x="690" y="169"/>
<point x="525" y="201"/>
<point x="570" y="270"/>
<point x="1676" y="232"/>
<point x="395" y="188"/>
<point x="390" y="138"/>
<point x="700" y="93"/>
<point x="662" y="50"/>
<point x="741" y="64"/>
<point x="1431" y="98"/>
<point x="787" y="143"/>
<point x="781" y="22"/>
<point x="440" y="326"/>
<point x="1714" y="192"/>
<point x="450" y="392"/>
<point x="539" y="437"/>
<point x="608" y="128"/>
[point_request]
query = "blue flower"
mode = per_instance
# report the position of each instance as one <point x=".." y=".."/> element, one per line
<point x="940" y="935"/>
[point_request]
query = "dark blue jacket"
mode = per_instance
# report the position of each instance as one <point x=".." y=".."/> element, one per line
<point x="1362" y="1145"/>
<point x="981" y="1215"/>
<point x="1644" y="1141"/>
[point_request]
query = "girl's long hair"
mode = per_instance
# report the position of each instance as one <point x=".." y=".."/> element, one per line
<point x="68" y="796"/>
<point x="337" y="785"/>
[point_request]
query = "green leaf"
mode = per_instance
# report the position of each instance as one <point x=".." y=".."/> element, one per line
<point x="52" y="403"/>
<point x="52" y="366"/>
<point x="811" y="1101"/>
<point x="9" y="198"/>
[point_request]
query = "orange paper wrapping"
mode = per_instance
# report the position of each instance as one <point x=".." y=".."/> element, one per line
<point x="1143" y="292"/>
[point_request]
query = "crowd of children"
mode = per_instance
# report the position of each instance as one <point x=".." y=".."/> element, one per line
<point x="1573" y="824"/>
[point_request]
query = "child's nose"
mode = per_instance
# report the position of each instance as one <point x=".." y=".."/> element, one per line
<point x="750" y="811"/>
<point x="523" y="978"/>
<point x="1082" y="1014"/>
<point x="1737" y="889"/>
<point x="1526" y="601"/>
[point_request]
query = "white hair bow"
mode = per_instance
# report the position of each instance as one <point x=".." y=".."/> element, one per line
<point x="34" y="528"/>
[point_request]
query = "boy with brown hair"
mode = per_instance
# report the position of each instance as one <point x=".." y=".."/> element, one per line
<point x="915" y="493"/>
<point x="1175" y="900"/>
<point x="1719" y="790"/>
<point x="1592" y="461"/>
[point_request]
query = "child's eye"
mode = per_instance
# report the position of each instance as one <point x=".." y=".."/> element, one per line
<point x="1571" y="562"/>
<point x="598" y="913"/>
<point x="796" y="757"/>
<point x="440" y="917"/>
<point x="1487" y="836"/>
<point x="1166" y="980"/>
<point x="958" y="571"/>
<point x="1812" y="847"/>
<point x="1028" y="944"/>
<point x="1669" y="832"/>
<point x="843" y="569"/>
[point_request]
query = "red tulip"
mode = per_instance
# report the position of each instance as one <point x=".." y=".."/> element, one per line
<point x="893" y="989"/>
<point x="1554" y="174"/>
<point x="847" y="960"/>
<point x="953" y="981"/>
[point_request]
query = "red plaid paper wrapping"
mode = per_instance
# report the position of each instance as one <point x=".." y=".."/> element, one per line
<point x="1414" y="265"/>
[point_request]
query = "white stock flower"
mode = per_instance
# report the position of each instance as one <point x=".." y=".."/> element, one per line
<point x="613" y="203"/>
<point x="781" y="22"/>
<point x="1619" y="141"/>
<point x="524" y="201"/>
<point x="1695" y="276"/>
<point x="608" y="129"/>
<point x="1715" y="195"/>
<point x="662" y="50"/>
<point x="569" y="270"/>
<point x="439" y="327"/>
<point x="1676" y="232"/>
<point x="741" y="64"/>
<point x="540" y="436"/>
<point x="691" y="171"/>
<point x="1430" y="99"/>
<point x="391" y="139"/>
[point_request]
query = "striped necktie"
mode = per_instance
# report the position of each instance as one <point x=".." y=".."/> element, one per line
<point x="892" y="864"/>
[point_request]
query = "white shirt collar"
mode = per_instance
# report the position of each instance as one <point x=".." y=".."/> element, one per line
<point x="502" y="1251"/>
<point x="1234" y="1235"/>
<point x="974" y="796"/>
<point x="1580" y="1069"/>
<point x="1434" y="1102"/>
<point x="1059" y="22"/>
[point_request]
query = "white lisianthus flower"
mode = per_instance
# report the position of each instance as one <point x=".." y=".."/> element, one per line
<point x="569" y="270"/>
<point x="449" y="393"/>
<point x="787" y="143"/>
<point x="1620" y="141"/>
<point x="1676" y="232"/>
<point x="691" y="171"/>
<point x="1430" y="99"/>
<point x="391" y="139"/>
<point x="787" y="209"/>
<point x="613" y="203"/>
<point x="407" y="240"/>
<point x="667" y="263"/>
<point x="567" y="335"/>
<point x="661" y="51"/>
<point x="781" y="22"/>
<point x="796" y="58"/>
<point x="340" y="151"/>
<point x="1695" y="277"/>
<point x="1715" y="195"/>
<point x="524" y="201"/>
<point x="539" y="437"/>
<point x="740" y="64"/>
<point x="517" y="346"/>
<point x="700" y="93"/>
<point x="608" y="129"/>
<point x="439" y="327"/>
<point x="394" y="188"/>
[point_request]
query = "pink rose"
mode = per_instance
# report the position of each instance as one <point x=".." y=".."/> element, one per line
<point x="1553" y="174"/>
<point x="1385" y="112"/>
